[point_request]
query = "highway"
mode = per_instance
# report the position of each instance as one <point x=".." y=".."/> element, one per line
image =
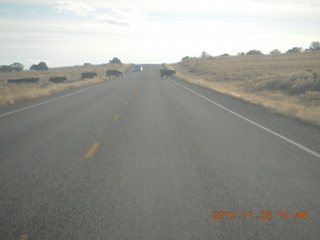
<point x="147" y="158"/>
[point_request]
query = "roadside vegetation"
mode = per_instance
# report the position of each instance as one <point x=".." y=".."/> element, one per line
<point x="285" y="83"/>
<point x="11" y="93"/>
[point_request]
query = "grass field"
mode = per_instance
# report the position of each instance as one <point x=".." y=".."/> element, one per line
<point x="285" y="83"/>
<point x="11" y="93"/>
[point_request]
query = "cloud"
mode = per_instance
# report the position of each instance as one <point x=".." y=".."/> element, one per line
<point x="73" y="31"/>
<point x="5" y="10"/>
<point x="106" y="14"/>
<point x="76" y="8"/>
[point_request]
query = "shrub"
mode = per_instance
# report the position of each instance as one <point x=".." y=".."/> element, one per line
<point x="185" y="58"/>
<point x="275" y="51"/>
<point x="295" y="50"/>
<point x="115" y="60"/>
<point x="39" y="67"/>
<point x="254" y="52"/>
<point x="13" y="67"/>
<point x="315" y="46"/>
<point x="205" y="54"/>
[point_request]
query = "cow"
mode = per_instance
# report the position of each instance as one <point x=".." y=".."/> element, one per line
<point x="23" y="80"/>
<point x="88" y="75"/>
<point x="58" y="79"/>
<point x="115" y="73"/>
<point x="166" y="72"/>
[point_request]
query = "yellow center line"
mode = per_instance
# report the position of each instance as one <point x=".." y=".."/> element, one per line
<point x="24" y="237"/>
<point x="116" y="117"/>
<point x="92" y="150"/>
<point x="126" y="102"/>
<point x="136" y="93"/>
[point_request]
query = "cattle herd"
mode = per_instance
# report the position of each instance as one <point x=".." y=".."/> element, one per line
<point x="61" y="79"/>
<point x="109" y="73"/>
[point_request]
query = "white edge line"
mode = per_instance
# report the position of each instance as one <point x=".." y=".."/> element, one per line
<point x="68" y="95"/>
<point x="254" y="123"/>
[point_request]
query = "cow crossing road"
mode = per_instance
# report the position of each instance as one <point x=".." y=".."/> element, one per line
<point x="141" y="157"/>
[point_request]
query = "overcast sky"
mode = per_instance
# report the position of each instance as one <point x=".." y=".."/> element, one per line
<point x="67" y="33"/>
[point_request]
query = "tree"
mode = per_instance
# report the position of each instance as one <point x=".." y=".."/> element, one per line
<point x="5" y="68"/>
<point x="12" y="67"/>
<point x="315" y="46"/>
<point x="275" y="52"/>
<point x="205" y="54"/>
<point x="115" y="60"/>
<point x="40" y="67"/>
<point x="185" y="58"/>
<point x="254" y="52"/>
<point x="241" y="54"/>
<point x="295" y="50"/>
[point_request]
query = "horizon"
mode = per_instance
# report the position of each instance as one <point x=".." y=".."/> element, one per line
<point x="70" y="33"/>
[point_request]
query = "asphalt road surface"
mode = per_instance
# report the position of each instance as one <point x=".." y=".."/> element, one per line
<point x="147" y="158"/>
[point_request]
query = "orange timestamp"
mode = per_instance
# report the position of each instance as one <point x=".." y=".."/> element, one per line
<point x="263" y="214"/>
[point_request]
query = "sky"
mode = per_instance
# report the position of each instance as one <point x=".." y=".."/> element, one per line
<point x="70" y="32"/>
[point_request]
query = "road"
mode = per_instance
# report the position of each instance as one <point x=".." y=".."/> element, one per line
<point x="148" y="158"/>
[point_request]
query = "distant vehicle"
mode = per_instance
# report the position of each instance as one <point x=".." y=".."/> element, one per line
<point x="137" y="68"/>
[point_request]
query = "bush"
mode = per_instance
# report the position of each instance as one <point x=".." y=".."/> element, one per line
<point x="115" y="60"/>
<point x="205" y="54"/>
<point x="40" y="67"/>
<point x="13" y="67"/>
<point x="254" y="52"/>
<point x="295" y="50"/>
<point x="315" y="46"/>
<point x="185" y="58"/>
<point x="275" y="52"/>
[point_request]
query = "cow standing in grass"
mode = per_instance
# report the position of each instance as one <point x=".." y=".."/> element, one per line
<point x="88" y="75"/>
<point x="23" y="80"/>
<point x="115" y="73"/>
<point x="58" y="79"/>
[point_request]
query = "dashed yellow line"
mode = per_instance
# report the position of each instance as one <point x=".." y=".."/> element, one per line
<point x="92" y="150"/>
<point x="126" y="102"/>
<point x="24" y="237"/>
<point x="136" y="93"/>
<point x="116" y="117"/>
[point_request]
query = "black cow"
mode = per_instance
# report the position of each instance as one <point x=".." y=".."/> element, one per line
<point x="88" y="75"/>
<point x="58" y="79"/>
<point x="115" y="73"/>
<point x="23" y="80"/>
<point x="166" y="72"/>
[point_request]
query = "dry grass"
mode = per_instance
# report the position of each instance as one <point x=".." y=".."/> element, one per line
<point x="286" y="83"/>
<point x="11" y="93"/>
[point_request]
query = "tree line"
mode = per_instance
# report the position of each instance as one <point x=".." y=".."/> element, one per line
<point x="19" y="67"/>
<point x="39" y="67"/>
<point x="314" y="46"/>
